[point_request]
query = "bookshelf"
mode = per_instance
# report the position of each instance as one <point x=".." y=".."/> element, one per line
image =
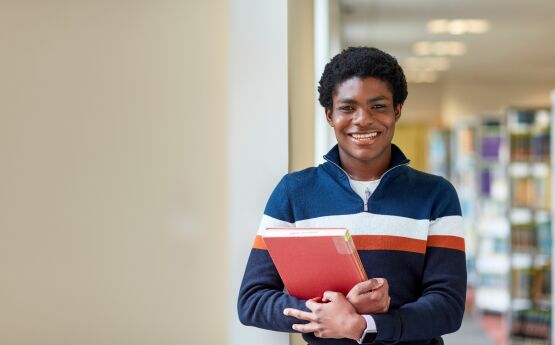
<point x="529" y="216"/>
<point x="439" y="158"/>
<point x="493" y="228"/>
<point x="464" y="177"/>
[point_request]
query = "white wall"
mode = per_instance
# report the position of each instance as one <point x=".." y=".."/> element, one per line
<point x="327" y="43"/>
<point x="461" y="100"/>
<point x="423" y="105"/>
<point x="257" y="145"/>
<point x="445" y="103"/>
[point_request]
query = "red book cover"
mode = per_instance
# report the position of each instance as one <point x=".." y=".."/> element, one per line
<point x="311" y="261"/>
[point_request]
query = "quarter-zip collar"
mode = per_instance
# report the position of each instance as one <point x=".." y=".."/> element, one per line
<point x="398" y="158"/>
<point x="333" y="166"/>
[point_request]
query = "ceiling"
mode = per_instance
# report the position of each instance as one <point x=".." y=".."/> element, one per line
<point x="519" y="47"/>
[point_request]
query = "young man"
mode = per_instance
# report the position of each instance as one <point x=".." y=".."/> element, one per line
<point x="406" y="224"/>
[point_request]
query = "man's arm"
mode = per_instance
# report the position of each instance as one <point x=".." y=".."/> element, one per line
<point x="440" y="308"/>
<point x="261" y="297"/>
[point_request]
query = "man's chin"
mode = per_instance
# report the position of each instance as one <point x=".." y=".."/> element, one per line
<point x="368" y="154"/>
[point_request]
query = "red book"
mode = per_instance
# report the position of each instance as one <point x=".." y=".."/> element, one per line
<point x="311" y="261"/>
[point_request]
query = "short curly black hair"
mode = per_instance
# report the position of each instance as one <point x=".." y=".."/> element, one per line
<point x="362" y="62"/>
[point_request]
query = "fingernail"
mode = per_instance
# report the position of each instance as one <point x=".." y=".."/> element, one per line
<point x="294" y="327"/>
<point x="286" y="312"/>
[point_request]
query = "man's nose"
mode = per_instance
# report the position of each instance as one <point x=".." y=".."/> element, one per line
<point x="363" y="117"/>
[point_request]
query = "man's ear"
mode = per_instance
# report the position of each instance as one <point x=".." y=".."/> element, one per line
<point x="398" y="108"/>
<point x="329" y="112"/>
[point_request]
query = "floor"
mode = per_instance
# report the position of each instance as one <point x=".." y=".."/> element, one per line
<point x="478" y="330"/>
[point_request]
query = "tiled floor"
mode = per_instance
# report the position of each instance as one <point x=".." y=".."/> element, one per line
<point x="472" y="332"/>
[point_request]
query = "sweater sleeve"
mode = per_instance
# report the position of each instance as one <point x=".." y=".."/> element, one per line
<point x="440" y="308"/>
<point x="261" y="297"/>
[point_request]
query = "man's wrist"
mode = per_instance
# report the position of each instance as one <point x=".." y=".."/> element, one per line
<point x="358" y="327"/>
<point x="370" y="333"/>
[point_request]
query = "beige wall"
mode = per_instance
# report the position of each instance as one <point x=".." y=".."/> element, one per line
<point x="301" y="92"/>
<point x="413" y="141"/>
<point x="112" y="173"/>
<point x="301" y="84"/>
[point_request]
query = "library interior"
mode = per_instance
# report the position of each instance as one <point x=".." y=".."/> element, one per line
<point x="140" y="141"/>
<point x="480" y="112"/>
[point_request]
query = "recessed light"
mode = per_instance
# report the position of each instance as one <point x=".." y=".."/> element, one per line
<point x="437" y="26"/>
<point x="458" y="26"/>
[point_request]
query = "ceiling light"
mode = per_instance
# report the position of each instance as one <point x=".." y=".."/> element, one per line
<point x="458" y="26"/>
<point x="437" y="26"/>
<point x="442" y="48"/>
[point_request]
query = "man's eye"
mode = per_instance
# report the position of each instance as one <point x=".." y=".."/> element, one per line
<point x="379" y="106"/>
<point x="346" y="108"/>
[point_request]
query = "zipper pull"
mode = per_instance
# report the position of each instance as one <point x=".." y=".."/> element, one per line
<point x="367" y="192"/>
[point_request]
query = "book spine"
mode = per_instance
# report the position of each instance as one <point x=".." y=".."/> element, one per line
<point x="356" y="259"/>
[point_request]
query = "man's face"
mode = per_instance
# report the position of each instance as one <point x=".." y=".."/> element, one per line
<point x="363" y="117"/>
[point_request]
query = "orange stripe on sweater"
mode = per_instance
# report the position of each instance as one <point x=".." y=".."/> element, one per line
<point x="259" y="243"/>
<point x="451" y="242"/>
<point x="382" y="242"/>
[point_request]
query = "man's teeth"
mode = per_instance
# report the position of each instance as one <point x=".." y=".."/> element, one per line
<point x="365" y="135"/>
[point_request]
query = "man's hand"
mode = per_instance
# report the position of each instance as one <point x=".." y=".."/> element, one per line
<point x="370" y="296"/>
<point x="332" y="317"/>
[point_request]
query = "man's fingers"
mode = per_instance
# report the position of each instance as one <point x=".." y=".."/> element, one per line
<point x="378" y="294"/>
<point x="306" y="328"/>
<point x="298" y="314"/>
<point x="367" y="286"/>
<point x="330" y="296"/>
<point x="314" y="303"/>
<point x="362" y="287"/>
<point x="377" y="283"/>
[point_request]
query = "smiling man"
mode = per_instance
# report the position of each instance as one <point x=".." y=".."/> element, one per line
<point x="406" y="224"/>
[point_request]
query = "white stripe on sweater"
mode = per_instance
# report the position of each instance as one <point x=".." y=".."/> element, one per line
<point x="449" y="225"/>
<point x="365" y="223"/>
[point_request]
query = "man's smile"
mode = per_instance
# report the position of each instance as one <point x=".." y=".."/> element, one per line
<point x="364" y="138"/>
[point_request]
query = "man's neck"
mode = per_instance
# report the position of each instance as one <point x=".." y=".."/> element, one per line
<point x="365" y="170"/>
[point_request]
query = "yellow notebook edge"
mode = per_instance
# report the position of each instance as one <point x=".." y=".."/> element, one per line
<point x="356" y="257"/>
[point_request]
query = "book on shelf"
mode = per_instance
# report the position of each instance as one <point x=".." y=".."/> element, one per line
<point x="530" y="182"/>
<point x="531" y="323"/>
<point x="311" y="261"/>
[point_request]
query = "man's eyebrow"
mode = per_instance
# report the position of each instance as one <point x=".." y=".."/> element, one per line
<point x="376" y="99"/>
<point x="370" y="100"/>
<point x="346" y="100"/>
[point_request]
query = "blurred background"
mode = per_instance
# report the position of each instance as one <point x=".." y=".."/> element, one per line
<point x="140" y="140"/>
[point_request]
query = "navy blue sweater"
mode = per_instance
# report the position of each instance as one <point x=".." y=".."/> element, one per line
<point x="411" y="234"/>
